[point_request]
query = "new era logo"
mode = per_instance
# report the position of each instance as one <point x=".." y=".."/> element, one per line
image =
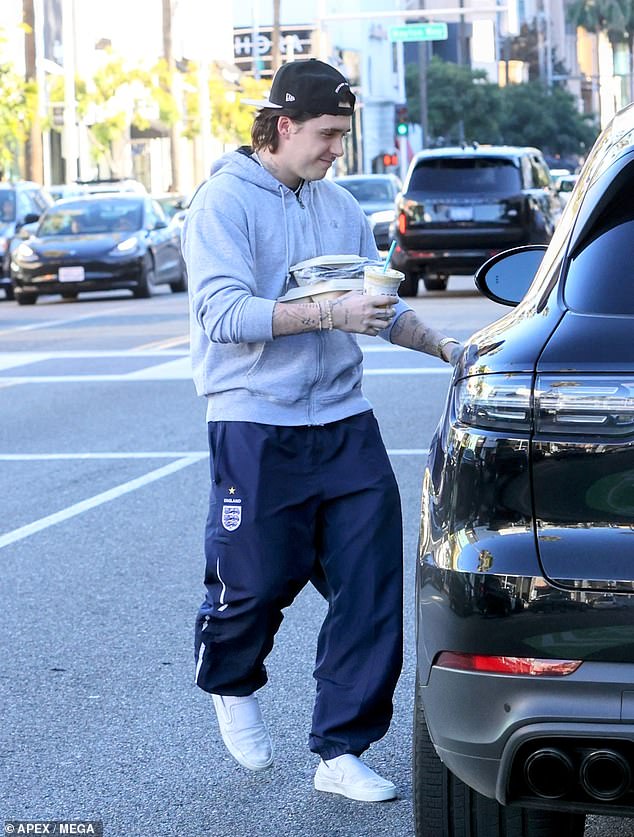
<point x="290" y="97"/>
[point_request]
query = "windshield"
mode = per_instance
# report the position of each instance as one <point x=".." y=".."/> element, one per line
<point x="7" y="205"/>
<point x="83" y="217"/>
<point x="369" y="190"/>
<point x="466" y="174"/>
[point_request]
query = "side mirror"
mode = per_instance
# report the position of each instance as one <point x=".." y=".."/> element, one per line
<point x="30" y="218"/>
<point x="506" y="277"/>
<point x="27" y="230"/>
<point x="159" y="225"/>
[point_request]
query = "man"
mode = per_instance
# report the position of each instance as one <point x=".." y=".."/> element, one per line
<point x="301" y="483"/>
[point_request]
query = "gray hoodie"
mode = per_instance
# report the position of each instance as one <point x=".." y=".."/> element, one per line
<point x="243" y="231"/>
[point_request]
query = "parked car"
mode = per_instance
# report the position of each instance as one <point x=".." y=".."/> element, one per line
<point x="21" y="202"/>
<point x="524" y="721"/>
<point x="112" y="184"/>
<point x="377" y="195"/>
<point x="459" y="206"/>
<point x="98" y="242"/>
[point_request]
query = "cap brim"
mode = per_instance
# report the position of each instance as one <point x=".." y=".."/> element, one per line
<point x="260" y="103"/>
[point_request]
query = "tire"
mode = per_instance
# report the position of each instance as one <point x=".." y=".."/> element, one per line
<point x="147" y="283"/>
<point x="8" y="292"/>
<point x="26" y="299"/>
<point x="438" y="282"/>
<point x="446" y="807"/>
<point x="180" y="286"/>
<point x="409" y="285"/>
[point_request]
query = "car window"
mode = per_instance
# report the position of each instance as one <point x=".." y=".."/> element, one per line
<point x="541" y="175"/>
<point x="24" y="205"/>
<point x="7" y="205"/>
<point x="369" y="190"/>
<point x="599" y="276"/>
<point x="82" y="218"/>
<point x="465" y="174"/>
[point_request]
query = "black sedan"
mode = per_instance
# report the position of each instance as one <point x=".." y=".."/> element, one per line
<point x="95" y="243"/>
<point x="525" y="572"/>
<point x="376" y="194"/>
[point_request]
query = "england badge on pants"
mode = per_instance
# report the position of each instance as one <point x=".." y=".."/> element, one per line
<point x="231" y="516"/>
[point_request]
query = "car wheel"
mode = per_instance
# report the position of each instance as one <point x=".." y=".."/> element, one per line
<point x="8" y="292"/>
<point x="446" y="807"/>
<point x="147" y="282"/>
<point x="181" y="284"/>
<point x="438" y="282"/>
<point x="26" y="299"/>
<point x="409" y="285"/>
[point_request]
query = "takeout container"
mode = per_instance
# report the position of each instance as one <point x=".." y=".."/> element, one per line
<point x="325" y="277"/>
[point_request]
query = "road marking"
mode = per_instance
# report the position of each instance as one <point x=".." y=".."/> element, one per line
<point x="184" y="460"/>
<point x="166" y="343"/>
<point x="151" y="454"/>
<point x="180" y="370"/>
<point x="43" y="457"/>
<point x="92" y="502"/>
<point x="53" y="323"/>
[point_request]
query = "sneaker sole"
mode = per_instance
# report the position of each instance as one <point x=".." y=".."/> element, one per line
<point x="254" y="766"/>
<point x="358" y="794"/>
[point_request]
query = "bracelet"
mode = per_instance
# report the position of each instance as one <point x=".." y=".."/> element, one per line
<point x="331" y="322"/>
<point x="442" y="343"/>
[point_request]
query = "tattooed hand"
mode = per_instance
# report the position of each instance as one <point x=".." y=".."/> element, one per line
<point x="362" y="314"/>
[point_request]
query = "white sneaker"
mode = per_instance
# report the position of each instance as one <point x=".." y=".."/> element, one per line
<point x="349" y="776"/>
<point x="243" y="730"/>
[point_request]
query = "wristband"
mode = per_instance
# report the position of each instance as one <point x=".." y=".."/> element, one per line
<point x="442" y="343"/>
<point x="331" y="322"/>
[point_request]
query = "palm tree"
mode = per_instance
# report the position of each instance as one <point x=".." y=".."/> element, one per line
<point x="33" y="147"/>
<point x="615" y="18"/>
<point x="168" y="55"/>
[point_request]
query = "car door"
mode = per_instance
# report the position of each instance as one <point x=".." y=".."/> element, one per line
<point x="163" y="243"/>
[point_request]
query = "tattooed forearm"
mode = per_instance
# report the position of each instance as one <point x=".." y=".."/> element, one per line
<point x="412" y="333"/>
<point x="296" y="318"/>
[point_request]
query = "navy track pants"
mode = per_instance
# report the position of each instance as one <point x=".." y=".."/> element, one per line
<point x="288" y="503"/>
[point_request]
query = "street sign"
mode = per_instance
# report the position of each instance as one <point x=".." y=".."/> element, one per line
<point x="418" y="32"/>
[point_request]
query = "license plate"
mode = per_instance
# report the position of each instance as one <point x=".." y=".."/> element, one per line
<point x="71" y="274"/>
<point x="461" y="213"/>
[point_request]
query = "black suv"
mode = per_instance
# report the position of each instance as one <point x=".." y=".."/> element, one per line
<point x="21" y="202"/>
<point x="459" y="206"/>
<point x="525" y="573"/>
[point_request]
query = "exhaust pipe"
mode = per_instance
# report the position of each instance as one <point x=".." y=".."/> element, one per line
<point x="605" y="775"/>
<point x="549" y="773"/>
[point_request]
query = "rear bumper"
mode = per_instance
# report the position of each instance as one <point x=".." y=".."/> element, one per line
<point x="486" y="727"/>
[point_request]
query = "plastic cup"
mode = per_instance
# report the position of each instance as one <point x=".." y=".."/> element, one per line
<point x="376" y="282"/>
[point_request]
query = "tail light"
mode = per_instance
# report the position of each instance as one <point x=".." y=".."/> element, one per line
<point x="571" y="405"/>
<point x="582" y="405"/>
<point x="495" y="402"/>
<point x="402" y="222"/>
<point x="506" y="665"/>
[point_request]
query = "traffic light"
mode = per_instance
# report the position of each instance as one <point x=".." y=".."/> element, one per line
<point x="390" y="160"/>
<point x="402" y="121"/>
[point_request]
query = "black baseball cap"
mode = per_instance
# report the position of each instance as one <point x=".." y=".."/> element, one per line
<point x="311" y="86"/>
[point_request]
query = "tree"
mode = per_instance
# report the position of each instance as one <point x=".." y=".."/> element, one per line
<point x="615" y="18"/>
<point x="461" y="104"/>
<point x="464" y="106"/>
<point x="18" y="99"/>
<point x="532" y="114"/>
<point x="33" y="147"/>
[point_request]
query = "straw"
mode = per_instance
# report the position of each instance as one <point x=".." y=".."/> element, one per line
<point x="389" y="256"/>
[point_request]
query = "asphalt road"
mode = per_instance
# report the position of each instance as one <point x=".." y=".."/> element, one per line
<point x="104" y="475"/>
